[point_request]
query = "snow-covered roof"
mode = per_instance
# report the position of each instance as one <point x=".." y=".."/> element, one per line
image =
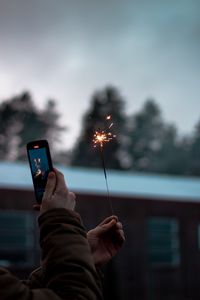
<point x="92" y="181"/>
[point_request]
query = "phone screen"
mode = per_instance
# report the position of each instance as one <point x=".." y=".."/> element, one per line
<point x="40" y="169"/>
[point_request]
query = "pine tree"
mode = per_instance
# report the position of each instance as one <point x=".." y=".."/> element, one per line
<point x="21" y="121"/>
<point x="105" y="102"/>
<point x="154" y="145"/>
<point x="194" y="153"/>
<point x="172" y="157"/>
<point x="145" y="134"/>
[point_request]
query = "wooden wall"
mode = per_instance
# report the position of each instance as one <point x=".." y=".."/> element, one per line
<point x="129" y="276"/>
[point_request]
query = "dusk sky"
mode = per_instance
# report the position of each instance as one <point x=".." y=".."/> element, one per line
<point x="66" y="50"/>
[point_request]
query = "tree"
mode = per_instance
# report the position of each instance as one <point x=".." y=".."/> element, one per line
<point x="194" y="153"/>
<point x="145" y="133"/>
<point x="107" y="101"/>
<point x="21" y="122"/>
<point x="154" y="145"/>
<point x="173" y="155"/>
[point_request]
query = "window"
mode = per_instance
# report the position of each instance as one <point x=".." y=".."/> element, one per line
<point x="198" y="232"/>
<point x="17" y="238"/>
<point x="163" y="241"/>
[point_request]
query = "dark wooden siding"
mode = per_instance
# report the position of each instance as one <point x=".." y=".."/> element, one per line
<point x="133" y="276"/>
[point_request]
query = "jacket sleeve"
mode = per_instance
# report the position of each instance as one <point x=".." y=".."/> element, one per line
<point x="36" y="279"/>
<point x="67" y="264"/>
<point x="67" y="267"/>
<point x="11" y="288"/>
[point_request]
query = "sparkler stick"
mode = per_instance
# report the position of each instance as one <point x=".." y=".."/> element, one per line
<point x="100" y="137"/>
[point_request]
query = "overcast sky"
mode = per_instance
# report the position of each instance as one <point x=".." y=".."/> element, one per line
<point x="67" y="49"/>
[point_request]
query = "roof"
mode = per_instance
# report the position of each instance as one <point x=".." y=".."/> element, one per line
<point x="121" y="183"/>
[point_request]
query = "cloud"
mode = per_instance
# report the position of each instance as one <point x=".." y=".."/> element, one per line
<point x="66" y="49"/>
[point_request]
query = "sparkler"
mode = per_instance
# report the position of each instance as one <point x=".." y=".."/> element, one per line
<point x="101" y="137"/>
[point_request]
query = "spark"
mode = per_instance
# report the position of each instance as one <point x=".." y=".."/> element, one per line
<point x="101" y="137"/>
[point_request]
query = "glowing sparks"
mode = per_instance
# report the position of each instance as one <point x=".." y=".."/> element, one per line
<point x="101" y="137"/>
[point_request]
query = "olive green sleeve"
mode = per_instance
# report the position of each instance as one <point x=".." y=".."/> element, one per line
<point x="68" y="271"/>
<point x="67" y="264"/>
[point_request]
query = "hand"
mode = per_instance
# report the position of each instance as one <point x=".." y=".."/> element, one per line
<point x="56" y="194"/>
<point x="105" y="240"/>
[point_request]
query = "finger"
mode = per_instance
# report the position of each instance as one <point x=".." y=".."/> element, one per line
<point x="121" y="233"/>
<point x="72" y="195"/>
<point x="50" y="186"/>
<point x="120" y="229"/>
<point x="120" y="237"/>
<point x="72" y="198"/>
<point x="61" y="185"/>
<point x="36" y="207"/>
<point x="108" y="219"/>
<point x="101" y="229"/>
<point x="119" y="225"/>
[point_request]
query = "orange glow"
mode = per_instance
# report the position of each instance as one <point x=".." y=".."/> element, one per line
<point x="100" y="136"/>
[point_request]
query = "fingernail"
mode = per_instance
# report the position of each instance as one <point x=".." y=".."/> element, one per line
<point x="51" y="175"/>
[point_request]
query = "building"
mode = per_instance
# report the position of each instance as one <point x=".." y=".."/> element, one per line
<point x="161" y="218"/>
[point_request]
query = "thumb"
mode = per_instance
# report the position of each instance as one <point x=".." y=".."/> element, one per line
<point x="106" y="227"/>
<point x="50" y="187"/>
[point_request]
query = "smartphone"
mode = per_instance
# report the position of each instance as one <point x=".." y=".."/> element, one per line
<point x="40" y="164"/>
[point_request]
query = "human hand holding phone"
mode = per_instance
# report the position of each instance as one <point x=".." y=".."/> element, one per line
<point x="56" y="194"/>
